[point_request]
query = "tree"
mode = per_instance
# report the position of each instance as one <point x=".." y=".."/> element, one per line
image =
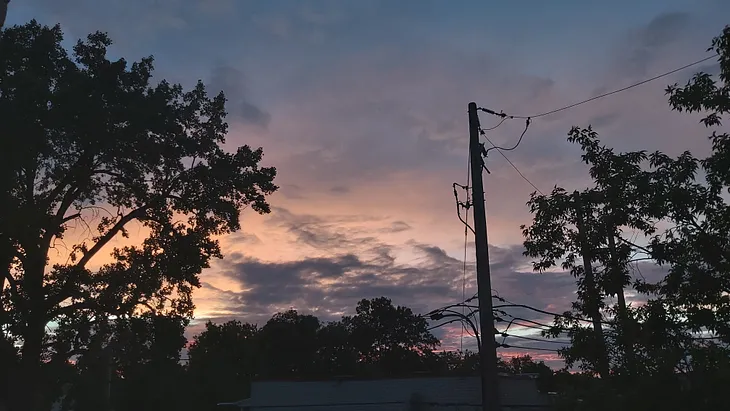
<point x="136" y="362"/>
<point x="146" y="365"/>
<point x="335" y="353"/>
<point x="697" y="248"/>
<point x="288" y="345"/>
<point x="679" y="340"/>
<point x="524" y="364"/>
<point x="391" y="338"/>
<point x="222" y="362"/>
<point x="90" y="141"/>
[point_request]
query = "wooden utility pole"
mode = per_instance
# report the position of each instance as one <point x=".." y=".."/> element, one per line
<point x="488" y="349"/>
<point x="593" y="298"/>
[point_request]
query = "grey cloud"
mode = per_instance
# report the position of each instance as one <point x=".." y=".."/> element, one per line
<point x="604" y="120"/>
<point x="649" y="42"/>
<point x="340" y="190"/>
<point x="331" y="286"/>
<point x="128" y="22"/>
<point x="241" y="237"/>
<point x="415" y="127"/>
<point x="292" y="191"/>
<point x="396" y="227"/>
<point x="711" y="69"/>
<point x="336" y="283"/>
<point x="230" y="80"/>
<point x="326" y="233"/>
<point x="664" y="29"/>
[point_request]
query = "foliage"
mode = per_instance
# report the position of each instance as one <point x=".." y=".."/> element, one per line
<point x="89" y="143"/>
<point x="384" y="335"/>
<point x="678" y="342"/>
<point x="379" y="340"/>
<point x="222" y="363"/>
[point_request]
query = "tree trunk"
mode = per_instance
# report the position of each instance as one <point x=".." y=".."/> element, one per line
<point x="623" y="312"/>
<point x="34" y="331"/>
<point x="31" y="366"/>
<point x="593" y="297"/>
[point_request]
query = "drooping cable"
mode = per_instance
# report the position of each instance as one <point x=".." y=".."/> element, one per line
<point x="600" y="96"/>
<point x="466" y="243"/>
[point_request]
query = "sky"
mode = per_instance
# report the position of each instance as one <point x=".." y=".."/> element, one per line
<point x="361" y="106"/>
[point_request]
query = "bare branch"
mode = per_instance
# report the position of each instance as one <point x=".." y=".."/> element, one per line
<point x="638" y="247"/>
<point x="70" y="217"/>
<point x="104" y="239"/>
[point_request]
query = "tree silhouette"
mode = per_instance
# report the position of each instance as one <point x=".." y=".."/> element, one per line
<point x="90" y="141"/>
<point x="222" y="362"/>
<point x="288" y="345"/>
<point x="678" y="342"/>
<point x="336" y="355"/>
<point x="379" y="340"/>
<point x="388" y="338"/>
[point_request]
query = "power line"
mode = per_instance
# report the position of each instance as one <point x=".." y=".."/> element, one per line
<point x="537" y="325"/>
<point x="526" y="348"/>
<point x="569" y="317"/>
<point x="600" y="96"/>
<point x="485" y="152"/>
<point x="459" y="204"/>
<point x="499" y="150"/>
<point x="494" y="127"/>
<point x="505" y="335"/>
<point x="466" y="243"/>
<point x="528" y="119"/>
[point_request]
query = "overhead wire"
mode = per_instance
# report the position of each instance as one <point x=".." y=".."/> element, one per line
<point x="494" y="127"/>
<point x="536" y="324"/>
<point x="600" y="96"/>
<point x="526" y="348"/>
<point x="513" y="166"/>
<point x="501" y="150"/>
<point x="540" y="327"/>
<point x="495" y="147"/>
<point x="466" y="243"/>
<point x="528" y="119"/>
<point x="459" y="205"/>
<point x="506" y="335"/>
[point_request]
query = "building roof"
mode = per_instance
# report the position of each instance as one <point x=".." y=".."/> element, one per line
<point x="516" y="392"/>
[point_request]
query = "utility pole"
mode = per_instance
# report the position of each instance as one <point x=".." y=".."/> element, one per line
<point x="488" y="349"/>
<point x="585" y="250"/>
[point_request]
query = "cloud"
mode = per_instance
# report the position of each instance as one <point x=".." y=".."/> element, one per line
<point x="230" y="80"/>
<point x="358" y="265"/>
<point x="126" y="21"/>
<point x="361" y="107"/>
<point x="396" y="227"/>
<point x="651" y="41"/>
<point x="339" y="190"/>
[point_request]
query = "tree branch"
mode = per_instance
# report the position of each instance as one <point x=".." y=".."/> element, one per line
<point x="58" y="220"/>
<point x="71" y="217"/>
<point x="67" y="179"/>
<point x="71" y="308"/>
<point x="638" y="247"/>
<point x="137" y="213"/>
<point x="13" y="284"/>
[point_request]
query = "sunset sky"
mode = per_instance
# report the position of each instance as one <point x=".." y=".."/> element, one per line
<point x="361" y="106"/>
